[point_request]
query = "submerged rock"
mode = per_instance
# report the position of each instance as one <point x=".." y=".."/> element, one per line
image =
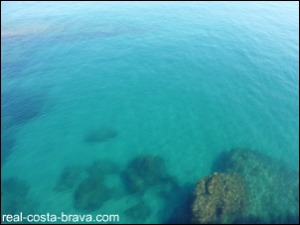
<point x="8" y="138"/>
<point x="138" y="212"/>
<point x="14" y="186"/>
<point x="21" y="105"/>
<point x="272" y="186"/>
<point x="219" y="199"/>
<point x="177" y="205"/>
<point x="14" y="197"/>
<point x="102" y="183"/>
<point x="68" y="178"/>
<point x="145" y="171"/>
<point x="271" y="189"/>
<point x="7" y="143"/>
<point x="91" y="194"/>
<point x="100" y="135"/>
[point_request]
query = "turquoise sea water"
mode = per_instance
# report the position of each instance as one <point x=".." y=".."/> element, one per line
<point x="185" y="81"/>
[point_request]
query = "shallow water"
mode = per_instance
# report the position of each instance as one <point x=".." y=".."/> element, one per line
<point x="174" y="84"/>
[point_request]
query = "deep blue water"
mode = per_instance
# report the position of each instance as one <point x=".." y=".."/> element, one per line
<point x="184" y="81"/>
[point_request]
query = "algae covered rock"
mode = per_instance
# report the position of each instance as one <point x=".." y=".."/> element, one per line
<point x="218" y="199"/>
<point x="272" y="187"/>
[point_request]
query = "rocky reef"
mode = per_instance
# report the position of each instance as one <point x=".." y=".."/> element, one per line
<point x="249" y="187"/>
<point x="219" y="198"/>
<point x="272" y="186"/>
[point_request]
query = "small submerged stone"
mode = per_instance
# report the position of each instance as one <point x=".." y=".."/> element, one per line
<point x="101" y="134"/>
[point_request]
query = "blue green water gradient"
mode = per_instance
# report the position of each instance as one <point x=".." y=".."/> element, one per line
<point x="181" y="80"/>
